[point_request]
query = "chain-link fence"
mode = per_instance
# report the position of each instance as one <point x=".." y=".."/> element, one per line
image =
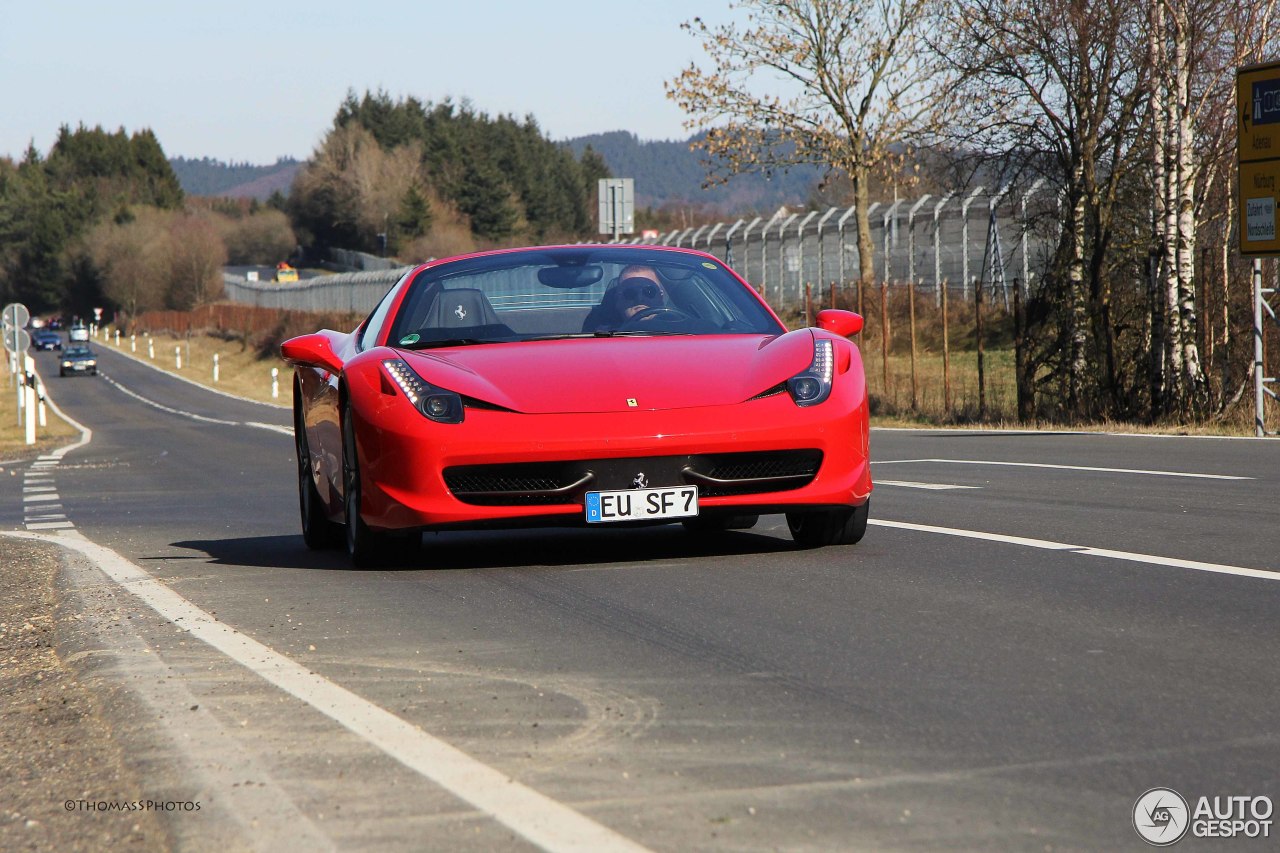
<point x="955" y="238"/>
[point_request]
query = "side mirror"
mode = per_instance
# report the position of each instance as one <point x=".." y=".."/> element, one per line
<point x="315" y="350"/>
<point x="843" y="323"/>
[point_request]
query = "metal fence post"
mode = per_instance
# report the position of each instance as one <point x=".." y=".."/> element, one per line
<point x="964" y="239"/>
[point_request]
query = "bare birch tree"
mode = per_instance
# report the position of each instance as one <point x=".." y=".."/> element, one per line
<point x="1059" y="84"/>
<point x="1195" y="47"/>
<point x="845" y="84"/>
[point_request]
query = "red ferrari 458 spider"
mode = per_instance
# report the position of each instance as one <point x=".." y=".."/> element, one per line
<point x="578" y="385"/>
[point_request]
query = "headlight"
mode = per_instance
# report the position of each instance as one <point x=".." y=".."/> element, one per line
<point x="436" y="403"/>
<point x="66" y="364"/>
<point x="814" y="385"/>
<point x="91" y="363"/>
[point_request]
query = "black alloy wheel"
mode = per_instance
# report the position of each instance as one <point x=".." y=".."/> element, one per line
<point x="819" y="528"/>
<point x="317" y="530"/>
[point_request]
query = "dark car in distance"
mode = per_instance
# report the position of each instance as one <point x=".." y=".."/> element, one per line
<point x="78" y="360"/>
<point x="45" y="339"/>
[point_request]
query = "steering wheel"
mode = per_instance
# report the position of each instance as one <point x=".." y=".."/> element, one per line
<point x="667" y="315"/>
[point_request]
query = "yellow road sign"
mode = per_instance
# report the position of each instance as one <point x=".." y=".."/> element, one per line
<point x="1258" y="156"/>
<point x="1259" y="197"/>
<point x="1258" y="111"/>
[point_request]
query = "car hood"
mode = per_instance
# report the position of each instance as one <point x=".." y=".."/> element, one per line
<point x="607" y="374"/>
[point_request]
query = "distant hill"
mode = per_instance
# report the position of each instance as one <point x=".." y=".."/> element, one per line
<point x="207" y="177"/>
<point x="669" y="173"/>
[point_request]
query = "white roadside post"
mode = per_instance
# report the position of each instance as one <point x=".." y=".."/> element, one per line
<point x="43" y="419"/>
<point x="29" y="383"/>
<point x="151" y="348"/>
<point x="177" y="357"/>
<point x="215" y="368"/>
<point x="275" y="382"/>
<point x="117" y="338"/>
<point x="133" y="342"/>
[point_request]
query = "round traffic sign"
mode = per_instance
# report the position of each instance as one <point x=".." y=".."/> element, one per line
<point x="16" y="340"/>
<point x="16" y="315"/>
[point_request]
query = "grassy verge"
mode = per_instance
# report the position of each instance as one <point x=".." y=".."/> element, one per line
<point x="13" y="434"/>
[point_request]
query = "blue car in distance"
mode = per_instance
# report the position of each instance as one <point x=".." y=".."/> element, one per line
<point x="44" y="339"/>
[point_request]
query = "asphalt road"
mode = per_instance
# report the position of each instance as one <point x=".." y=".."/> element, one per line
<point x="1037" y="629"/>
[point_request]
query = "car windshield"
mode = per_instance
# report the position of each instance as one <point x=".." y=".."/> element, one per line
<point x="589" y="291"/>
<point x="78" y="352"/>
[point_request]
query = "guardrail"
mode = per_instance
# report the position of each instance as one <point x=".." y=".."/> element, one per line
<point x="354" y="292"/>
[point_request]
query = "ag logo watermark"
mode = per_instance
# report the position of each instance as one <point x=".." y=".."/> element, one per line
<point x="1162" y="817"/>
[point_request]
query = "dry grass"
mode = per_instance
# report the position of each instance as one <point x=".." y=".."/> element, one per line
<point x="240" y="371"/>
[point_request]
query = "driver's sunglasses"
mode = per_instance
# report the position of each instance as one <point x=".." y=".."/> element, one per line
<point x="641" y="291"/>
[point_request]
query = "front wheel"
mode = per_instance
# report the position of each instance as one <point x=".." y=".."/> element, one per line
<point x="317" y="530"/>
<point x="818" y="528"/>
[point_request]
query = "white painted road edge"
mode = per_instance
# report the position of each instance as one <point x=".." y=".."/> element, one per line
<point x="533" y="816"/>
<point x="1084" y="550"/>
<point x="876" y="462"/>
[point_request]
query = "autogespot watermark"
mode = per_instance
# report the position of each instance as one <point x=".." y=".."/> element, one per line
<point x="1162" y="817"/>
<point x="132" y="805"/>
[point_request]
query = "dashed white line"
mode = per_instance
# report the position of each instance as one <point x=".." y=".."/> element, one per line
<point x="1061" y="468"/>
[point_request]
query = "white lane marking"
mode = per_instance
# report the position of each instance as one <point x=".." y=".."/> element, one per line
<point x="165" y="408"/>
<point x="1084" y="550"/>
<point x="907" y="484"/>
<point x="534" y="816"/>
<point x="192" y="415"/>
<point x="272" y="427"/>
<point x="194" y="383"/>
<point x="953" y="431"/>
<point x="1061" y="468"/>
<point x="49" y="525"/>
<point x="52" y="496"/>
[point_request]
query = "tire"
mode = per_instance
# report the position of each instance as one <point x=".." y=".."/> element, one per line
<point x="819" y="528"/>
<point x="367" y="548"/>
<point x="317" y="530"/>
<point x="719" y="523"/>
<point x="62" y="372"/>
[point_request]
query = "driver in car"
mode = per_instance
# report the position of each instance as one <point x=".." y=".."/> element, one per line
<point x="639" y="289"/>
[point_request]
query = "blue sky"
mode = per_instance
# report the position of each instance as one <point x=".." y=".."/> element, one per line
<point x="253" y="81"/>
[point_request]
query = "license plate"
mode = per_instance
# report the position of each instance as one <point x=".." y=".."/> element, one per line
<point x="642" y="504"/>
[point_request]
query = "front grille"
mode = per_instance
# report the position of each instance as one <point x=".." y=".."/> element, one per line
<point x="715" y="475"/>
<point x="749" y="473"/>
<point x="522" y="484"/>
